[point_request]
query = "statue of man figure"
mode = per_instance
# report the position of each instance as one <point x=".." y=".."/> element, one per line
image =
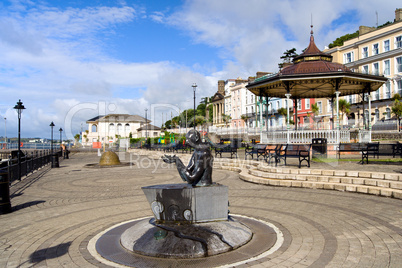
<point x="199" y="169"/>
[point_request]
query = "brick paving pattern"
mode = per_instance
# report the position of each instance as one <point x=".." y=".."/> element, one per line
<point x="57" y="211"/>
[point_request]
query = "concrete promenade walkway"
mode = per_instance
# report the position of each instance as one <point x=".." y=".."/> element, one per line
<point x="57" y="211"/>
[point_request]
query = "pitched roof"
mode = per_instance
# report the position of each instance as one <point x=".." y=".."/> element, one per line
<point x="126" y="118"/>
<point x="150" y="127"/>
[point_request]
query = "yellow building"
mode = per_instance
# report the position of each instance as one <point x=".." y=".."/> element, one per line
<point x="374" y="51"/>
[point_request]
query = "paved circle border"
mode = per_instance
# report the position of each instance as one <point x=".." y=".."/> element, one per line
<point x="92" y="245"/>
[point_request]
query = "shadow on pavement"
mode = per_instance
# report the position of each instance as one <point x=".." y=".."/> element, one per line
<point x="28" y="204"/>
<point x="49" y="253"/>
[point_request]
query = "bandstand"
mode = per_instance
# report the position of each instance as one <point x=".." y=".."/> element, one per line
<point x="313" y="75"/>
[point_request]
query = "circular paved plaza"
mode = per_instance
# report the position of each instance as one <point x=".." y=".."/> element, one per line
<point x="58" y="211"/>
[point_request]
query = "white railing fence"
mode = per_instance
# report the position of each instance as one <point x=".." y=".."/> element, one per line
<point x="305" y="136"/>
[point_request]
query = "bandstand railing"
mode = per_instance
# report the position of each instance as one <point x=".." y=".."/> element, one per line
<point x="305" y="136"/>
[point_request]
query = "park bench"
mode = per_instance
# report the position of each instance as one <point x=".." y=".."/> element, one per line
<point x="270" y="151"/>
<point x="256" y="149"/>
<point x="220" y="149"/>
<point x="377" y="149"/>
<point x="169" y="147"/>
<point x="350" y="147"/>
<point x="299" y="151"/>
<point x="180" y="147"/>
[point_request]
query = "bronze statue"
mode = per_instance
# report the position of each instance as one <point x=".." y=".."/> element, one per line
<point x="199" y="169"/>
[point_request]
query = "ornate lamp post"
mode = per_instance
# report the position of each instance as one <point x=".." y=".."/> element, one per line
<point x="51" y="142"/>
<point x="61" y="130"/>
<point x="194" y="88"/>
<point x="19" y="107"/>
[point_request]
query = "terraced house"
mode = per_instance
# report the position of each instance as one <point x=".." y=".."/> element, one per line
<point x="376" y="50"/>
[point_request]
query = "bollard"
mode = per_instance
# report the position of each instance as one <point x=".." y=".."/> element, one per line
<point x="5" y="205"/>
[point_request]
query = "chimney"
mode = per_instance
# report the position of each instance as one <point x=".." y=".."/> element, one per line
<point x="261" y="74"/>
<point x="398" y="14"/>
<point x="239" y="81"/>
<point x="365" y="29"/>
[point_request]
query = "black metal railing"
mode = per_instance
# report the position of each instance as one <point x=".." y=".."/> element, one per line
<point x="29" y="163"/>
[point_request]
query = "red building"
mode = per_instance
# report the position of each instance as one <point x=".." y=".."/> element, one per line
<point x="303" y="111"/>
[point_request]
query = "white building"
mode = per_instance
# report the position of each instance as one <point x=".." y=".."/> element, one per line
<point x="110" y="127"/>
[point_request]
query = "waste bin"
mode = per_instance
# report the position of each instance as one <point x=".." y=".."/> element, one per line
<point x="55" y="160"/>
<point x="5" y="205"/>
<point x="319" y="147"/>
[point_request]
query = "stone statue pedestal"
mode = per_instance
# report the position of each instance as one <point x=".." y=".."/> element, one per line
<point x="183" y="203"/>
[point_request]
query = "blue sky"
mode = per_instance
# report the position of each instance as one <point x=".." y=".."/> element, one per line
<point x="69" y="61"/>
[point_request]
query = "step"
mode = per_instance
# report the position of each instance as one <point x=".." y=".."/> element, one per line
<point x="366" y="189"/>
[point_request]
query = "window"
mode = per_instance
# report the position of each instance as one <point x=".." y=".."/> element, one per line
<point x="375" y="49"/>
<point x="377" y="114"/>
<point x="386" y="67"/>
<point x="299" y="105"/>
<point x="119" y="129"/>
<point x="329" y="106"/>
<point x="348" y="57"/>
<point x="386" y="45"/>
<point x="278" y="105"/>
<point x="111" y="127"/>
<point x="387" y="92"/>
<point x="306" y="120"/>
<point x="365" y="69"/>
<point x="388" y="113"/>
<point x="399" y="87"/>
<point x="399" y="65"/>
<point x="365" y="52"/>
<point x="307" y="103"/>
<point x="376" y="69"/>
<point x="126" y="128"/>
<point x="398" y="41"/>
<point x="319" y="104"/>
<point x="376" y="94"/>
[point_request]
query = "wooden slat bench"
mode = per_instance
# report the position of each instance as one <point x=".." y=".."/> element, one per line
<point x="256" y="149"/>
<point x="299" y="151"/>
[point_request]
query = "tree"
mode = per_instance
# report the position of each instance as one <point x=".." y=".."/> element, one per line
<point x="340" y="40"/>
<point x="210" y="113"/>
<point x="396" y="109"/>
<point x="245" y="118"/>
<point x="315" y="110"/>
<point x="226" y="119"/>
<point x="344" y="107"/>
<point x="77" y="137"/>
<point x="282" y="111"/>
<point x="288" y="56"/>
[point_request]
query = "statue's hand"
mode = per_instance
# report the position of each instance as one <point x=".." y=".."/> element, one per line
<point x="169" y="159"/>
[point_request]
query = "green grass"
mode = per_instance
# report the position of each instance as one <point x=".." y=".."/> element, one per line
<point x="332" y="160"/>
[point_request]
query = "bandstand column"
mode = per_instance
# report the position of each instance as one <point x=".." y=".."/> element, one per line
<point x="287" y="115"/>
<point x="337" y="117"/>
<point x="261" y="113"/>
<point x="369" y="119"/>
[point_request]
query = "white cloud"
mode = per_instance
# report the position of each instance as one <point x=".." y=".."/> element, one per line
<point x="55" y="61"/>
<point x="256" y="33"/>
